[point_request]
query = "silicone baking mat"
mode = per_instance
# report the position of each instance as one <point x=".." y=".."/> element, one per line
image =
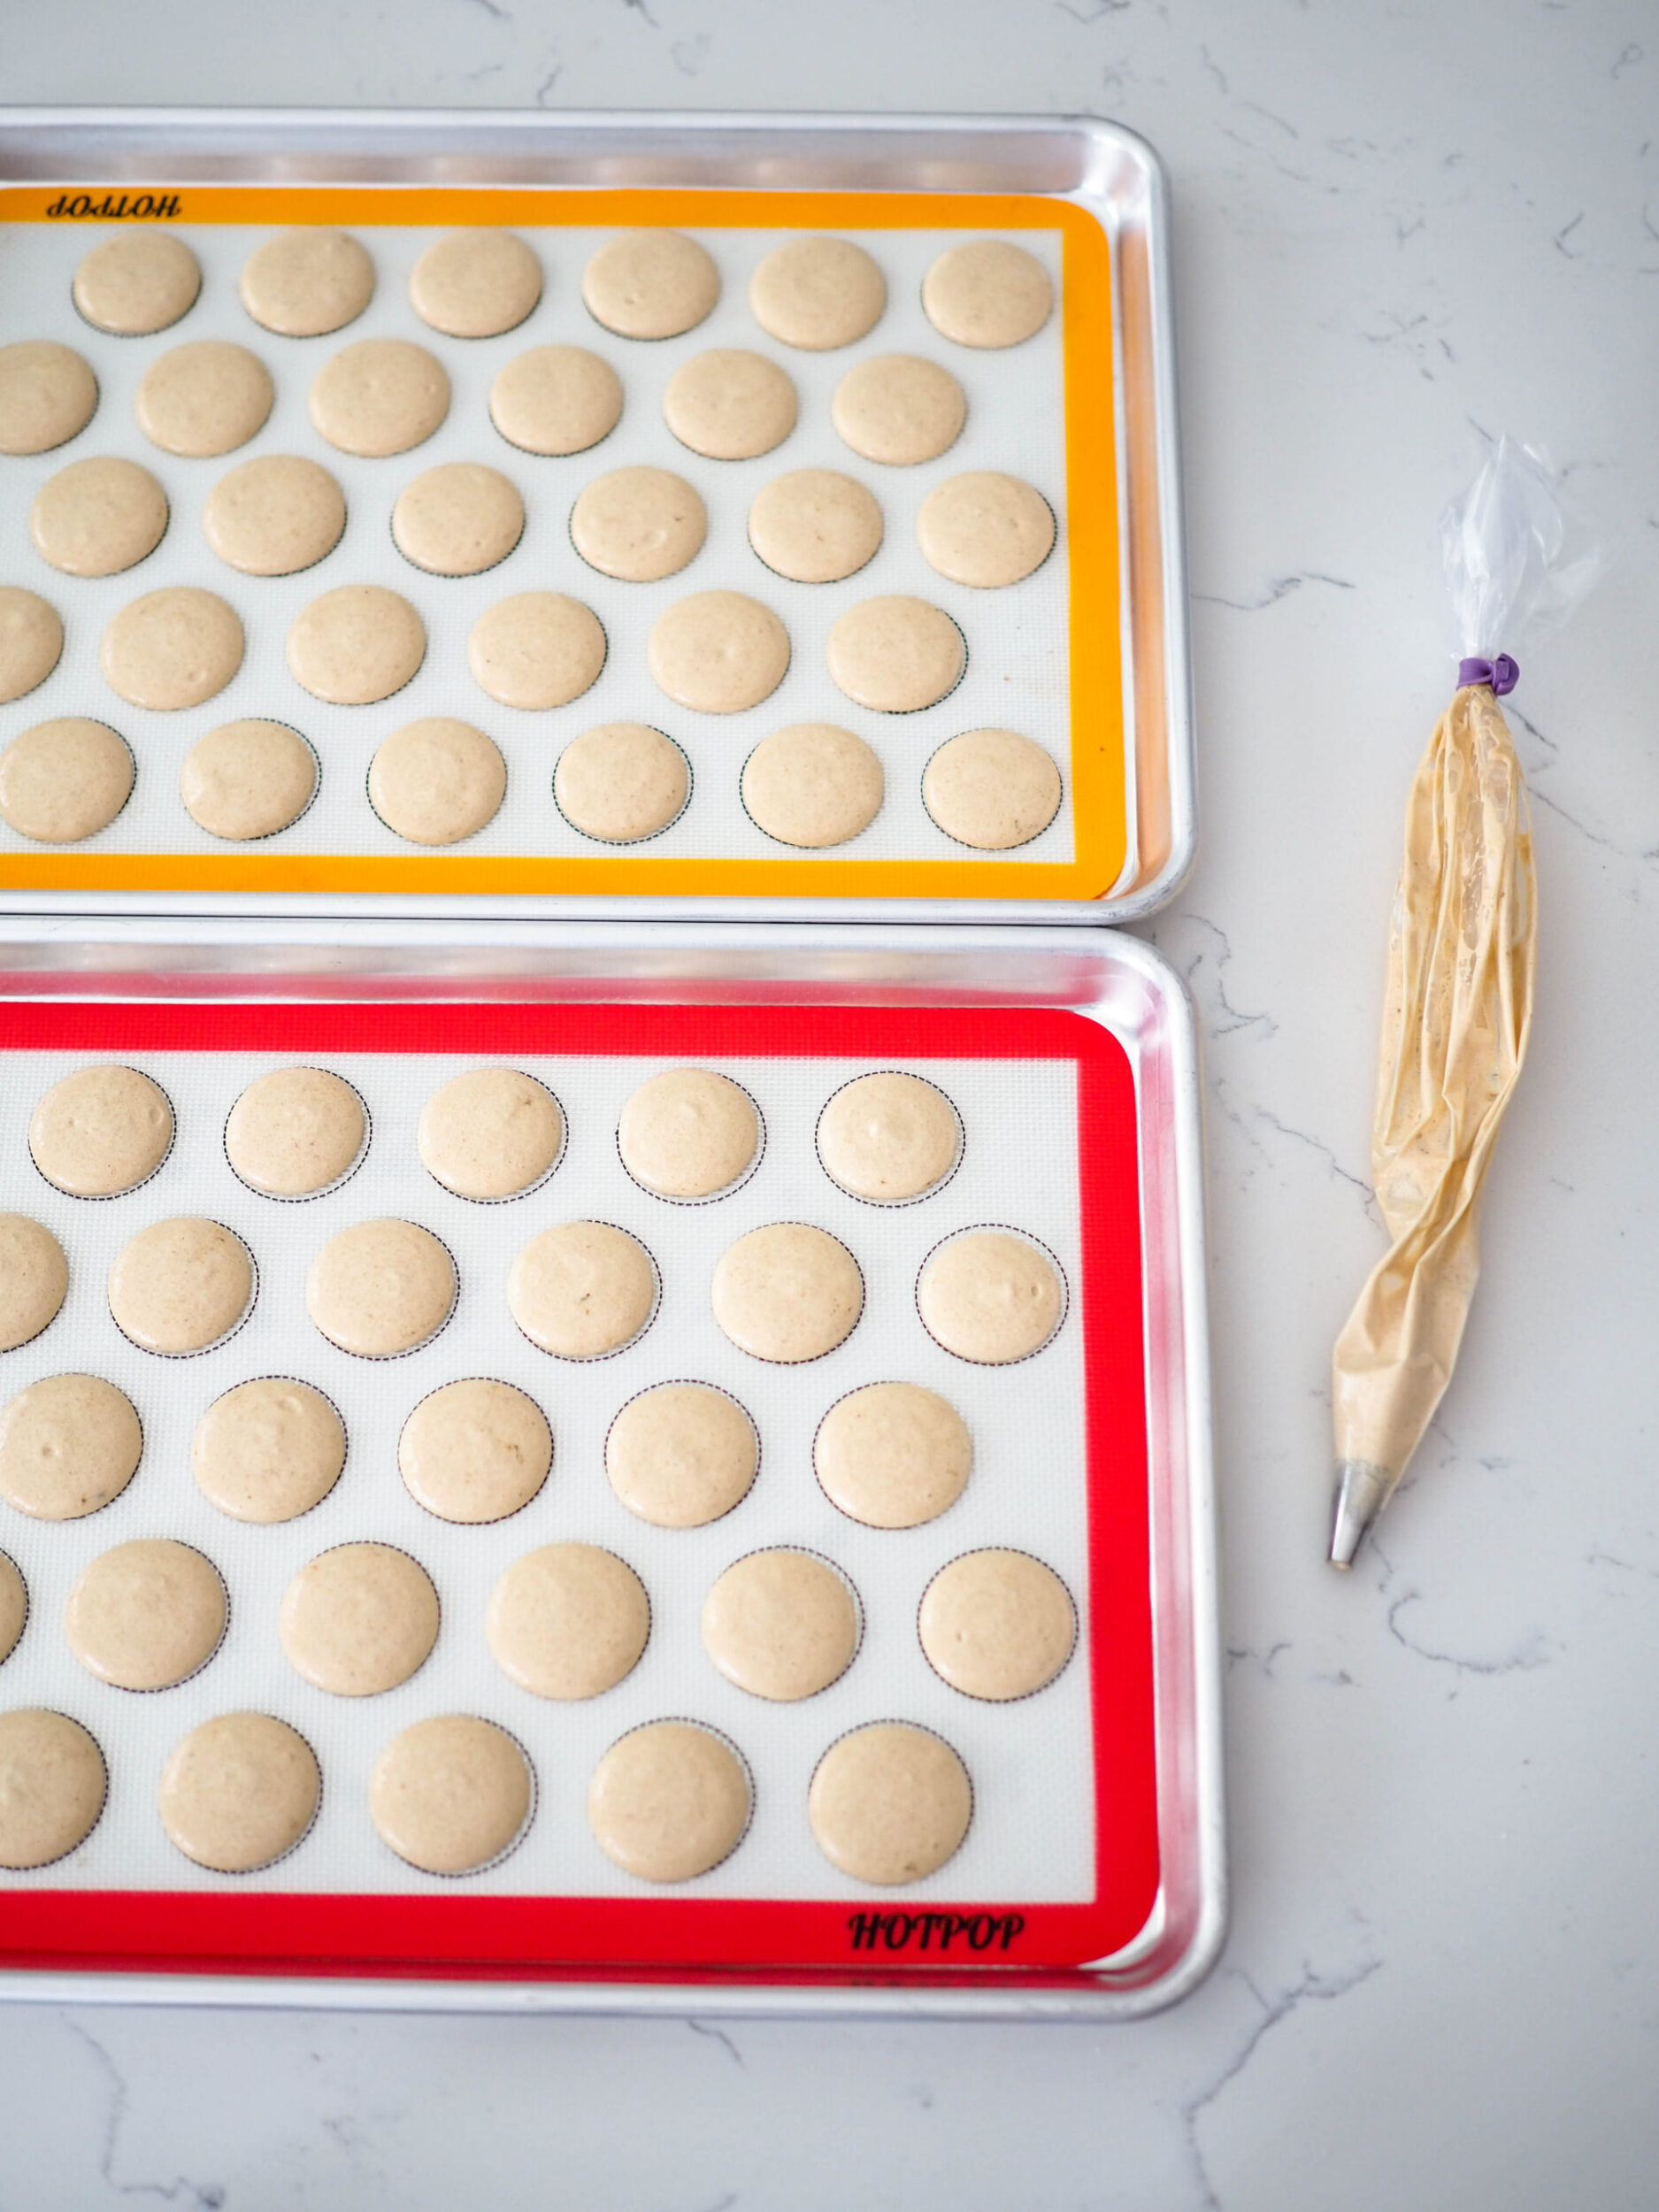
<point x="1044" y="656"/>
<point x="1060" y="1866"/>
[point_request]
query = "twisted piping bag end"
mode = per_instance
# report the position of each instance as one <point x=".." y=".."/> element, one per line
<point x="1363" y="1489"/>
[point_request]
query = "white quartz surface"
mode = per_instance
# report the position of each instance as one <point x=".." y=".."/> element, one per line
<point x="1396" y="228"/>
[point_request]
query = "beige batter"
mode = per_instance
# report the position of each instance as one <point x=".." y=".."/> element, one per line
<point x="985" y="529"/>
<point x="669" y="1802"/>
<point x="1457" y="1014"/>
<point x="68" y="1444"/>
<point x="893" y="1454"/>
<point x="358" y="1619"/>
<point x="268" y="1450"/>
<point x="899" y="408"/>
<point x="458" y="520"/>
<point x="730" y="405"/>
<point x="47" y="395"/>
<point x="98" y="517"/>
<point x="33" y="1278"/>
<point x="356" y="645"/>
<point x="787" y="1292"/>
<point x="476" y="1451"/>
<point x="681" y="1455"/>
<point x="556" y="400"/>
<point x="568" y="1622"/>
<point x="66" y="779"/>
<point x="304" y="283"/>
<point x="992" y="789"/>
<point x="782" y="1624"/>
<point x="650" y="284"/>
<point x="889" y="1137"/>
<point x="997" y="1625"/>
<point x="889" y="1803"/>
<point x="274" y="515"/>
<point x="582" y="1289"/>
<point x="248" y="780"/>
<point x="988" y="294"/>
<point x="205" y="398"/>
<point x="536" y="650"/>
<point x="475" y="283"/>
<point x="295" y="1131"/>
<point x="639" y="525"/>
<point x="719" y="652"/>
<point x="379" y="396"/>
<point x="100" y="1130"/>
<point x="818" y="293"/>
<point x="382" y="1288"/>
<point x="896" y="654"/>
<point x="813" y="784"/>
<point x="181" y="1285"/>
<point x="490" y="1134"/>
<point x="240" y="1792"/>
<point x="437" y="780"/>
<point x="137" y="282"/>
<point x="621" y="782"/>
<point x="147" y="1615"/>
<point x="52" y="1786"/>
<point x="991" y="1297"/>
<point x="172" y="648"/>
<point x="31" y="642"/>
<point x="815" y="525"/>
<point x="14" y="1606"/>
<point x="451" y="1794"/>
<point x="688" y="1134"/>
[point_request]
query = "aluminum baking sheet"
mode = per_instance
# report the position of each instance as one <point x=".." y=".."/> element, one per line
<point x="931" y="992"/>
<point x="1087" y="655"/>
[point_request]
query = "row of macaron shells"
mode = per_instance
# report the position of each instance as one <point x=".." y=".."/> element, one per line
<point x="815" y="293"/>
<point x="888" y="1802"/>
<point x="282" y="514"/>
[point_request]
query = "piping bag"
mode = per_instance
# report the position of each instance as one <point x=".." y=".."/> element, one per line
<point x="1458" y="1006"/>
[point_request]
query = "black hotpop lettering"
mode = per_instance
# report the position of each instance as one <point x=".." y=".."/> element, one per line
<point x="935" y="1932"/>
<point x="80" y="207"/>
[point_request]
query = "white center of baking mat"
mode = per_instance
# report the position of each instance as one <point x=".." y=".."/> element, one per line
<point x="1033" y="1835"/>
<point x="1017" y="673"/>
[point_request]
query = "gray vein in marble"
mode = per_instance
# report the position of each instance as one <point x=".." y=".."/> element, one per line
<point x="1204" y="973"/>
<point x="717" y="2035"/>
<point x="1529" y="1654"/>
<point x="204" y="2196"/>
<point x="1597" y="1557"/>
<point x="1414" y="336"/>
<point x="1277" y="588"/>
<point x="1264" y="1661"/>
<point x="689" y="54"/>
<point x="1312" y="1985"/>
<point x="490" y="7"/>
<point x="1282" y="168"/>
<point x="638" y="7"/>
<point x="1318" y="1145"/>
<point x="1565" y="232"/>
<point x="1096" y="11"/>
<point x="547" y="83"/>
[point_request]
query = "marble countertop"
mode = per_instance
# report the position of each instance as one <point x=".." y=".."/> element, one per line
<point x="1396" y="230"/>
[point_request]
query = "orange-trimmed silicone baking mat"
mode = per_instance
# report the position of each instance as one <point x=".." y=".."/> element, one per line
<point x="1044" y="656"/>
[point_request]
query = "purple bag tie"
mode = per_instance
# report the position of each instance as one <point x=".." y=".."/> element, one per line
<point x="1502" y="674"/>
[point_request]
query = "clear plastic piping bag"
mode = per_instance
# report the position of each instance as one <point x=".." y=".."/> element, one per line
<point x="1458" y="1006"/>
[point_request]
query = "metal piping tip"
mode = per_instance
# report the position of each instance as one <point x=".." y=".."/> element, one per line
<point x="1363" y="1489"/>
